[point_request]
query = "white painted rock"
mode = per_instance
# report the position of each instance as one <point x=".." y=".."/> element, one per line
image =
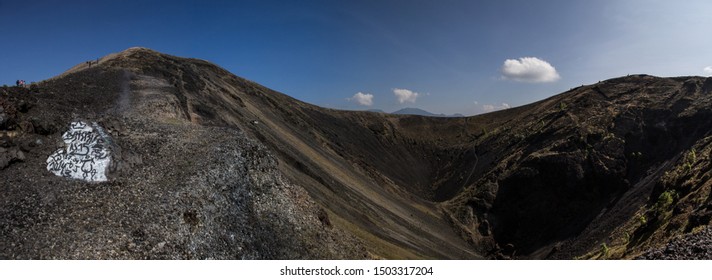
<point x="86" y="155"/>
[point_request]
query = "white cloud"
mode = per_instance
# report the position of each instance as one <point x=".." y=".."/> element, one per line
<point x="365" y="99"/>
<point x="405" y="95"/>
<point x="707" y="70"/>
<point x="490" y="107"/>
<point x="529" y="69"/>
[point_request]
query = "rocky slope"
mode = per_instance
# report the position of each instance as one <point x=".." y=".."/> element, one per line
<point x="692" y="246"/>
<point x="210" y="165"/>
<point x="177" y="191"/>
<point x="608" y="165"/>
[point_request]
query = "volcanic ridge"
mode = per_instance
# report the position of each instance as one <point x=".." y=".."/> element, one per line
<point x="197" y="163"/>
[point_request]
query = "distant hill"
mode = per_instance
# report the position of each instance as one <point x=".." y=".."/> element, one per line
<point x="421" y="112"/>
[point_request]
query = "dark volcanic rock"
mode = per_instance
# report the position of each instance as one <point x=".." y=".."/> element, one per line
<point x="694" y="246"/>
<point x="9" y="156"/>
<point x="564" y="175"/>
<point x="236" y="206"/>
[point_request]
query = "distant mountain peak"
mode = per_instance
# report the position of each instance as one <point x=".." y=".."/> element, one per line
<point x="421" y="112"/>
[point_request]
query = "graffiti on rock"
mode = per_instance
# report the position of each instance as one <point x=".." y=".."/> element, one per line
<point x="86" y="155"/>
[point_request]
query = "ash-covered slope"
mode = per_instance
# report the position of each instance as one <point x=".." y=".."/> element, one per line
<point x="210" y="165"/>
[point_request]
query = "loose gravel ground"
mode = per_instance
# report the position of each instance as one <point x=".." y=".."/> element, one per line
<point x="694" y="246"/>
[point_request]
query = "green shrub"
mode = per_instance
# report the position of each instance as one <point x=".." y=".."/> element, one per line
<point x="693" y="155"/>
<point x="642" y="220"/>
<point x="664" y="202"/>
<point x="604" y="250"/>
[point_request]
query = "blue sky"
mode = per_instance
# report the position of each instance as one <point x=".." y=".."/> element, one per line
<point x="442" y="56"/>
